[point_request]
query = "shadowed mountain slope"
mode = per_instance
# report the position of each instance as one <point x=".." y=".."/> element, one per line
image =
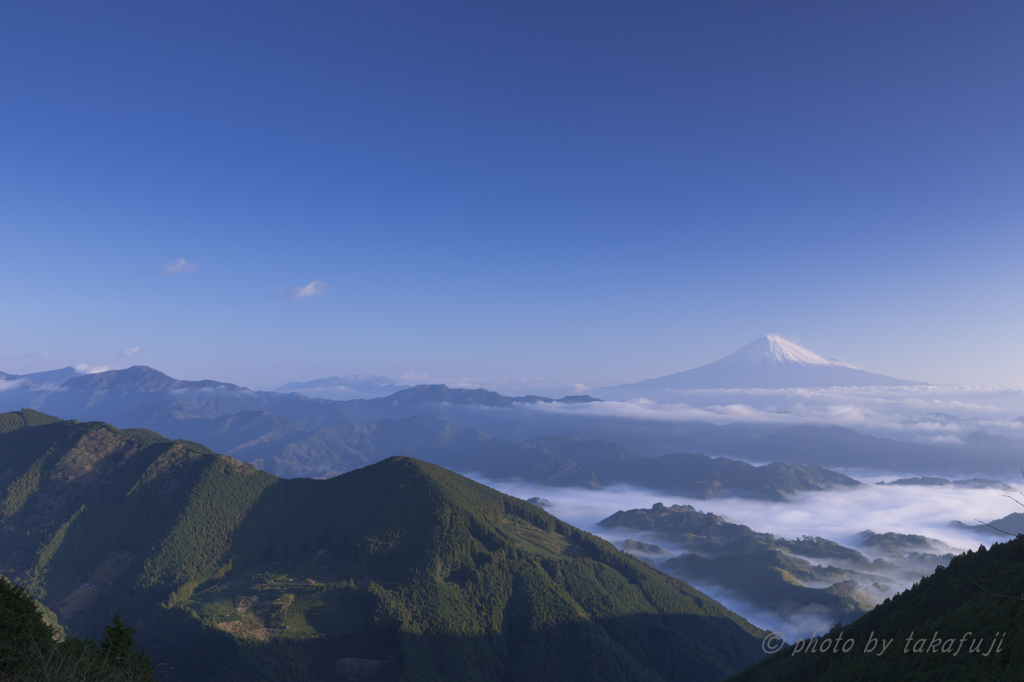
<point x="962" y="623"/>
<point x="400" y="569"/>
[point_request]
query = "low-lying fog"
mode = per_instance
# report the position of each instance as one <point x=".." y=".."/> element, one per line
<point x="837" y="515"/>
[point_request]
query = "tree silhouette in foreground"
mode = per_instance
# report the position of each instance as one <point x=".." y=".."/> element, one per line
<point x="30" y="649"/>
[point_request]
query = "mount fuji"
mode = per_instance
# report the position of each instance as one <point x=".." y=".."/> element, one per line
<point x="766" y="362"/>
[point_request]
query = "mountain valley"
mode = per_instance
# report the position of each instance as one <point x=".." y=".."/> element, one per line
<point x="809" y="577"/>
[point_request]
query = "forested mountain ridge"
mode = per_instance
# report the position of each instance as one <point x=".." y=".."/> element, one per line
<point x="84" y="501"/>
<point x="800" y="578"/>
<point x="401" y="567"/>
<point x="11" y="421"/>
<point x="960" y="624"/>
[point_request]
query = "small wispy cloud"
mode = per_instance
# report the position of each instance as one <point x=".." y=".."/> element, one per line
<point x="11" y="384"/>
<point x="128" y="352"/>
<point x="414" y="378"/>
<point x="82" y="368"/>
<point x="177" y="267"/>
<point x="314" y="288"/>
<point x="464" y="382"/>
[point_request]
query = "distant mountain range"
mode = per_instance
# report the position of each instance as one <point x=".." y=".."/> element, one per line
<point x="280" y="425"/>
<point x="345" y="388"/>
<point x="288" y="450"/>
<point x="143" y="396"/>
<point x="768" y="362"/>
<point x="1009" y="525"/>
<point x="54" y="377"/>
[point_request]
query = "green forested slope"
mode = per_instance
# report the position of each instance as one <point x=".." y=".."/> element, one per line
<point x="963" y="623"/>
<point x="400" y="570"/>
<point x="81" y="502"/>
<point x="11" y="421"/>
<point x="794" y="577"/>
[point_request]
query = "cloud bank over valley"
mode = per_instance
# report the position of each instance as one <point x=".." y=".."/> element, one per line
<point x="838" y="515"/>
<point x="925" y="413"/>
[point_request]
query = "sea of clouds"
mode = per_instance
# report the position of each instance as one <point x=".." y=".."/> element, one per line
<point x="837" y="515"/>
<point x="915" y="413"/>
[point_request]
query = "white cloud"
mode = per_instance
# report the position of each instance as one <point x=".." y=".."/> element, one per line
<point x="414" y="378"/>
<point x="464" y="382"/>
<point x="579" y="388"/>
<point x="128" y="352"/>
<point x="10" y="385"/>
<point x="314" y="288"/>
<point x="218" y="388"/>
<point x="82" y="368"/>
<point x="176" y="267"/>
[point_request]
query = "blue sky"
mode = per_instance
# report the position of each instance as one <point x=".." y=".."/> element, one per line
<point x="514" y="194"/>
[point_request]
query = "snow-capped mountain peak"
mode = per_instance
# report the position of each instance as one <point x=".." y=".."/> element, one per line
<point x="768" y="362"/>
<point x="774" y="349"/>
